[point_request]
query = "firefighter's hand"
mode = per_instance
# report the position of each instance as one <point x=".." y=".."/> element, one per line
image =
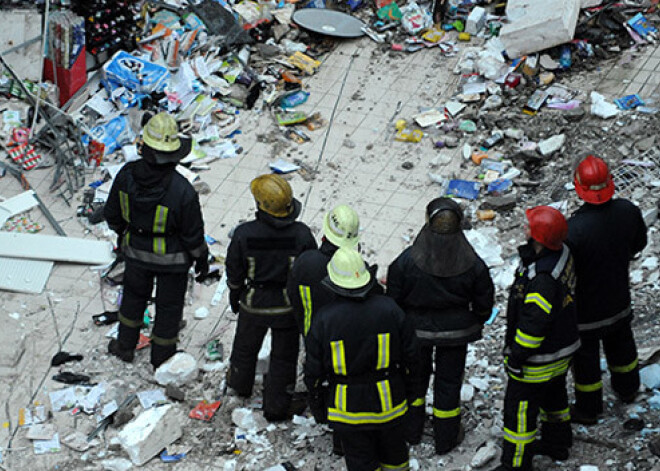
<point x="514" y="366"/>
<point x="202" y="265"/>
<point x="234" y="300"/>
<point x="317" y="406"/>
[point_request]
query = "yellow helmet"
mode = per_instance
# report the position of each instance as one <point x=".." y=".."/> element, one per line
<point x="273" y="195"/>
<point x="347" y="269"/>
<point x="341" y="226"/>
<point x="162" y="142"/>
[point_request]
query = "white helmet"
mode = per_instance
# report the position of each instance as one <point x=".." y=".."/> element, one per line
<point x="347" y="269"/>
<point x="341" y="226"/>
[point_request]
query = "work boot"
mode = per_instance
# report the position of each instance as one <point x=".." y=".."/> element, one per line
<point x="124" y="355"/>
<point x="297" y="407"/>
<point x="627" y="398"/>
<point x="443" y="449"/>
<point x="541" y="448"/>
<point x="578" y="417"/>
<point x="337" y="447"/>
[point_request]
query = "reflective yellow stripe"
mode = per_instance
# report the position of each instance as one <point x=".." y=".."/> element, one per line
<point x="385" y="394"/>
<point x="162" y="341"/>
<point x="356" y="418"/>
<point x="419" y="402"/>
<point x="338" y="357"/>
<point x="446" y="414"/>
<point x="130" y="322"/>
<point x="125" y="207"/>
<point x="540" y="374"/>
<point x="528" y="341"/>
<point x="625" y="368"/>
<point x="522" y="434"/>
<point x="159" y="245"/>
<point x="341" y="393"/>
<point x="306" y="299"/>
<point x="383" y="352"/>
<point x="563" y="415"/>
<point x="160" y="219"/>
<point x="540" y="301"/>
<point x="589" y="387"/>
<point x="402" y="466"/>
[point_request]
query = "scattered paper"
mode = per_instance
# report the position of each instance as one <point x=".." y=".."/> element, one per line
<point x="42" y="447"/>
<point x="282" y="166"/>
<point x="151" y="398"/>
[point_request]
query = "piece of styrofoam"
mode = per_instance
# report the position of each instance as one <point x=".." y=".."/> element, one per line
<point x="16" y="205"/>
<point x="590" y="3"/>
<point x="24" y="276"/>
<point x="55" y="248"/>
<point x="536" y="26"/>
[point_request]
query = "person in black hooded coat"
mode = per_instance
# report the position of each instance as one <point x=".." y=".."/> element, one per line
<point x="446" y="290"/>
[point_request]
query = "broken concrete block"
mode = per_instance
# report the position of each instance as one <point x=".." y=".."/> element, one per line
<point x="536" y="26"/>
<point x="248" y="420"/>
<point x="476" y="20"/>
<point x="150" y="432"/>
<point x="499" y="203"/>
<point x="178" y="370"/>
<point x="588" y="467"/>
<point x="650" y="376"/>
<point x="467" y="392"/>
<point x="484" y="455"/>
<point x="116" y="464"/>
<point x="601" y="108"/>
<point x="551" y="145"/>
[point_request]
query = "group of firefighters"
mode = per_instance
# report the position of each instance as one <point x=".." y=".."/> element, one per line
<point x="370" y="351"/>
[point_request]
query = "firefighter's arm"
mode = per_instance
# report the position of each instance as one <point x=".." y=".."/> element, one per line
<point x="484" y="292"/>
<point x="395" y="281"/>
<point x="541" y="298"/>
<point x="641" y="237"/>
<point x="410" y="349"/>
<point x="112" y="208"/>
<point x="293" y="289"/>
<point x="314" y="373"/>
<point x="191" y="232"/>
<point x="236" y="272"/>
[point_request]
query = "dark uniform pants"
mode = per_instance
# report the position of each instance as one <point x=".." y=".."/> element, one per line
<point x="383" y="448"/>
<point x="523" y="403"/>
<point x="170" y="296"/>
<point x="280" y="381"/>
<point x="448" y="379"/>
<point x="621" y="354"/>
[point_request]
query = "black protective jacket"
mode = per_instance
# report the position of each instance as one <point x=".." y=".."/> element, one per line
<point x="444" y="310"/>
<point x="365" y="348"/>
<point x="603" y="239"/>
<point x="156" y="213"/>
<point x="259" y="260"/>
<point x="541" y="317"/>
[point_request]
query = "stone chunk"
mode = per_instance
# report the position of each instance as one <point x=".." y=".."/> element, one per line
<point x="150" y="432"/>
<point x="551" y="145"/>
<point x="650" y="376"/>
<point x="499" y="203"/>
<point x="484" y="455"/>
<point x="178" y="370"/>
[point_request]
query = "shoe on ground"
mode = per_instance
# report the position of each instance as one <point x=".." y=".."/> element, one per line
<point x="628" y="398"/>
<point x="578" y="417"/>
<point x="541" y="448"/>
<point x="124" y="355"/>
<point x="443" y="449"/>
<point x="297" y="407"/>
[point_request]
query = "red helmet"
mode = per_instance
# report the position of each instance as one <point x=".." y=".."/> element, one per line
<point x="547" y="226"/>
<point x="593" y="180"/>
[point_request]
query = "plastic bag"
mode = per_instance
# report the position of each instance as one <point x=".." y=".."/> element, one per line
<point x="415" y="19"/>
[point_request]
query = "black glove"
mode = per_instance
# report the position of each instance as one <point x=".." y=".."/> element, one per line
<point x="317" y="406"/>
<point x="234" y="300"/>
<point x="202" y="265"/>
<point x="514" y="366"/>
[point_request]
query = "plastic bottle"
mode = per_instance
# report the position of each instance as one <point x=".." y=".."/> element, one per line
<point x="565" y="58"/>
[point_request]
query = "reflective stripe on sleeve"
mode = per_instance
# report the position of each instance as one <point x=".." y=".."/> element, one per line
<point x="306" y="299"/>
<point x="125" y="207"/>
<point x="540" y="301"/>
<point x="338" y="357"/>
<point x="383" y="361"/>
<point x="528" y="341"/>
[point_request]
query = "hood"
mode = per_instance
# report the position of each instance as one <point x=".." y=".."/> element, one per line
<point x="442" y="254"/>
<point x="148" y="176"/>
<point x="280" y="222"/>
<point x="359" y="294"/>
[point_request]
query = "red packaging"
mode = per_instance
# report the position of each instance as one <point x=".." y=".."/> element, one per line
<point x="204" y="410"/>
<point x="512" y="80"/>
<point x="69" y="81"/>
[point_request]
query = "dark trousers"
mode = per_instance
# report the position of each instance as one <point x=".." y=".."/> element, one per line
<point x="523" y="403"/>
<point x="280" y="381"/>
<point x="374" y="449"/>
<point x="170" y="296"/>
<point x="448" y="379"/>
<point x="621" y="353"/>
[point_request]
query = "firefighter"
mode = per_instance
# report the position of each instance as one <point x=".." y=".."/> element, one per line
<point x="341" y="228"/>
<point x="446" y="290"/>
<point x="259" y="259"/>
<point x="362" y="345"/>
<point x="541" y="336"/>
<point x="604" y="235"/>
<point x="157" y="217"/>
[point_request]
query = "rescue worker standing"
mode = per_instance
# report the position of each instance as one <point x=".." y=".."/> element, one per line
<point x="541" y="336"/>
<point x="340" y="229"/>
<point x="259" y="259"/>
<point x="362" y="345"/>
<point x="156" y="214"/>
<point x="604" y="235"/>
<point x="446" y="290"/>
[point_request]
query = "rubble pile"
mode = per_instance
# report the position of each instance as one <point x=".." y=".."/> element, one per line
<point x="522" y="110"/>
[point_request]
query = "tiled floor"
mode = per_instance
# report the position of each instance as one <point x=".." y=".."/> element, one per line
<point x="358" y="89"/>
